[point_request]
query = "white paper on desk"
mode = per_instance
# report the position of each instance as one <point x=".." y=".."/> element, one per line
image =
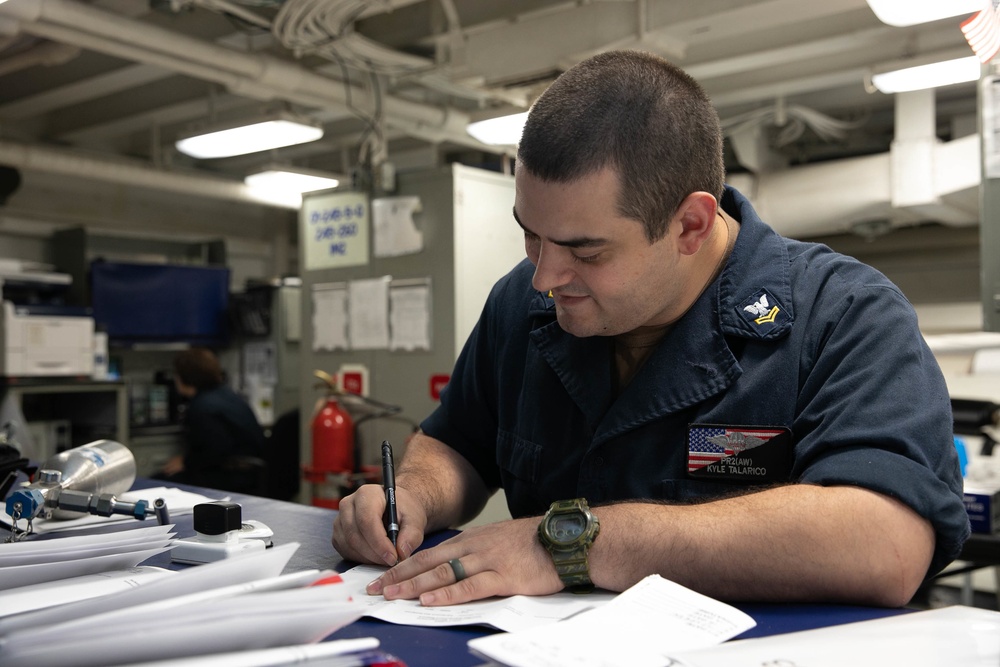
<point x="33" y="551"/>
<point x="648" y="622"/>
<point x="124" y="617"/>
<point x="956" y="635"/>
<point x="179" y="502"/>
<point x="257" y="621"/>
<point x="25" y="575"/>
<point x="54" y="593"/>
<point x="236" y="570"/>
<point x="82" y="553"/>
<point x="517" y="612"/>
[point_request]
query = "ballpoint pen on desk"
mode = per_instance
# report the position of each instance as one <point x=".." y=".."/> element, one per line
<point x="389" y="484"/>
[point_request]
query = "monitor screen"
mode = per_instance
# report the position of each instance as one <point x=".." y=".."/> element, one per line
<point x="160" y="303"/>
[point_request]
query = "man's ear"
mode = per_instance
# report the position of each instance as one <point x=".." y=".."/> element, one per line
<point x="696" y="218"/>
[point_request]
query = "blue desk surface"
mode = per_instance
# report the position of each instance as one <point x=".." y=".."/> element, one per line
<point x="311" y="527"/>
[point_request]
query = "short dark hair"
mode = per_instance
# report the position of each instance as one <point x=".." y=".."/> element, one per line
<point x="638" y="114"/>
<point x="198" y="367"/>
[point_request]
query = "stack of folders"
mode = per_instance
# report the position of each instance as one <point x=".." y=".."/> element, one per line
<point x="241" y="605"/>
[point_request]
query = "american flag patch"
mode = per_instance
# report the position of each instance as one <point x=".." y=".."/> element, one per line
<point x="711" y="444"/>
<point x="982" y="32"/>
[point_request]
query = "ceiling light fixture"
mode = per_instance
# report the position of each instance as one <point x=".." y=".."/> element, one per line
<point x="902" y="13"/>
<point x="504" y="130"/>
<point x="932" y="75"/>
<point x="285" y="185"/>
<point x="275" y="131"/>
<point x="292" y="179"/>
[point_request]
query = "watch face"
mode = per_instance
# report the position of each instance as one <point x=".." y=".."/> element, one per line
<point x="567" y="528"/>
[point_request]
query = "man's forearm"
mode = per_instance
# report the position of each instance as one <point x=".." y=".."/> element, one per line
<point x="798" y="542"/>
<point x="449" y="489"/>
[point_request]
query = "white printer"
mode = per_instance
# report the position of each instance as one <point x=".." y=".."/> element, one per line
<point x="43" y="340"/>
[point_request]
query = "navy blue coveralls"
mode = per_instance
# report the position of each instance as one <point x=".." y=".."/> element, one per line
<point x="791" y="336"/>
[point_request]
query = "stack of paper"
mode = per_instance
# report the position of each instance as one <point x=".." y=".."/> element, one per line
<point x="36" y="561"/>
<point x="85" y="587"/>
<point x="237" y="604"/>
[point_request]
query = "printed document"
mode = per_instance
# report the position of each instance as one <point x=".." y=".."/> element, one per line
<point x="517" y="612"/>
<point x="648" y="622"/>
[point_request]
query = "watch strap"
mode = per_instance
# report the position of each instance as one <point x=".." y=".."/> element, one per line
<point x="573" y="569"/>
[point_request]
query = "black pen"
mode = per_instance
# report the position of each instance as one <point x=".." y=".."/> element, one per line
<point x="389" y="484"/>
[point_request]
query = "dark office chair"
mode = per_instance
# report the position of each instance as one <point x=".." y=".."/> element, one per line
<point x="248" y="474"/>
<point x="282" y="457"/>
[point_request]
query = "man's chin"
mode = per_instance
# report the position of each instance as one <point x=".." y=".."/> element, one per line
<point x="574" y="326"/>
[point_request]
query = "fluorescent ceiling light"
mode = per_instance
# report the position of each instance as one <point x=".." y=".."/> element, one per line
<point x="292" y="179"/>
<point x="911" y="12"/>
<point x="499" y="131"/>
<point x="934" y="75"/>
<point x="285" y="185"/>
<point x="273" y="132"/>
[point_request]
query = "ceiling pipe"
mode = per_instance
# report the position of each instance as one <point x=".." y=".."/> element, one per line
<point x="256" y="75"/>
<point x="803" y="201"/>
<point x="48" y="54"/>
<point x="131" y="173"/>
<point x="845" y="195"/>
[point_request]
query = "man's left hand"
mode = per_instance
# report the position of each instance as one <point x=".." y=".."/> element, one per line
<point x="502" y="559"/>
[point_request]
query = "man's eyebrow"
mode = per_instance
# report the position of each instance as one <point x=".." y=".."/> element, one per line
<point x="581" y="242"/>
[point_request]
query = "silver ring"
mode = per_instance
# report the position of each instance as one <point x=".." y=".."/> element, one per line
<point x="458" y="569"/>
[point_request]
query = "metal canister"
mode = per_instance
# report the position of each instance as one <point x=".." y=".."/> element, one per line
<point x="102" y="466"/>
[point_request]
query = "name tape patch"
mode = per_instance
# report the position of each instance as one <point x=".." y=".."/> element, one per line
<point x="754" y="454"/>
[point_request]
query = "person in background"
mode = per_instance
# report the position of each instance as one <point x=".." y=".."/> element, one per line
<point x="667" y="386"/>
<point x="222" y="438"/>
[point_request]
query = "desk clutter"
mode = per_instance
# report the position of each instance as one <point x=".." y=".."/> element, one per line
<point x="78" y="589"/>
<point x="72" y="578"/>
<point x="244" y="609"/>
<point x="241" y="604"/>
<point x="982" y="494"/>
<point x="976" y="433"/>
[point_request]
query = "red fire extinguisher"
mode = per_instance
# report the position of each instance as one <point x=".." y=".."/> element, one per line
<point x="332" y="470"/>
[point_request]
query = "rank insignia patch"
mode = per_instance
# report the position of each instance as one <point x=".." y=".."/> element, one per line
<point x="762" y="311"/>
<point x="755" y="454"/>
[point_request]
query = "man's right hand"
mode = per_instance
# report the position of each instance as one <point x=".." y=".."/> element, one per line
<point x="359" y="533"/>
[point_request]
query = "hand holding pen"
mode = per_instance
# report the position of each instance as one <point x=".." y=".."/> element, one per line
<point x="391" y="517"/>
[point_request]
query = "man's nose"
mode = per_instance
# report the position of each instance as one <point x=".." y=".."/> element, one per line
<point x="552" y="268"/>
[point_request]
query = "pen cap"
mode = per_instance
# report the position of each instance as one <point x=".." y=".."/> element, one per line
<point x="388" y="474"/>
